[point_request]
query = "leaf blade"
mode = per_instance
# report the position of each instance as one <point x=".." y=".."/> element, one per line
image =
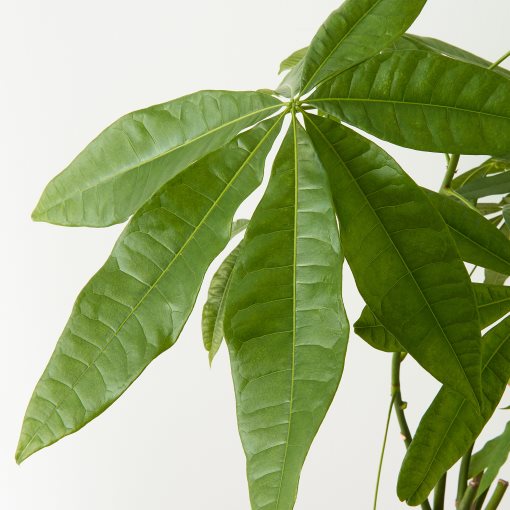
<point x="399" y="250"/>
<point x="286" y="367"/>
<point x="135" y="307"/>
<point x="129" y="161"/>
<point x="354" y="32"/>
<point x="395" y="96"/>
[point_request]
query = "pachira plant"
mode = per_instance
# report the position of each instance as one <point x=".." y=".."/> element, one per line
<point x="177" y="173"/>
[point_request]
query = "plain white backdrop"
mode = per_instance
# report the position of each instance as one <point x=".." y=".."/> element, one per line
<point x="68" y="69"/>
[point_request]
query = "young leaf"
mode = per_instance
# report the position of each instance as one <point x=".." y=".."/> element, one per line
<point x="451" y="424"/>
<point x="486" y="186"/>
<point x="129" y="161"/>
<point x="213" y="313"/>
<point x="354" y="32"/>
<point x="489" y="167"/>
<point x="493" y="302"/>
<point x="285" y="325"/>
<point x="490" y="459"/>
<point x="135" y="307"/>
<point x="478" y="241"/>
<point x="402" y="256"/>
<point x="292" y="60"/>
<point x="423" y="100"/>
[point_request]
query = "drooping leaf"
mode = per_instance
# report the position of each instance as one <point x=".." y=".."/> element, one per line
<point x="285" y="324"/>
<point x="478" y="241"/>
<point x="493" y="302"/>
<point x="417" y="42"/>
<point x="131" y="159"/>
<point x="135" y="307"/>
<point x="403" y="259"/>
<point x="354" y="32"/>
<point x="492" y="275"/>
<point x="490" y="459"/>
<point x="423" y="100"/>
<point x="238" y="226"/>
<point x="292" y="60"/>
<point x="213" y="313"/>
<point x="451" y="424"/>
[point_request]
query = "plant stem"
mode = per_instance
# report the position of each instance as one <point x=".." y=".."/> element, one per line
<point x="480" y="500"/>
<point x="500" y="60"/>
<point x="464" y="474"/>
<point x="450" y="172"/>
<point x="381" y="460"/>
<point x="469" y="494"/>
<point x="400" y="406"/>
<point x="499" y="492"/>
<point x="439" y="493"/>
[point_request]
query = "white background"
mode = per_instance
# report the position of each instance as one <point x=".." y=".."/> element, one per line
<point x="68" y="69"/>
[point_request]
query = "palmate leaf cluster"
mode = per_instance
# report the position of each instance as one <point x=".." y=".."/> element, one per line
<point x="178" y="173"/>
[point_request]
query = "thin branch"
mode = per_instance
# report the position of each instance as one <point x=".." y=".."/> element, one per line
<point x="464" y="474"/>
<point x="439" y="493"/>
<point x="499" y="492"/>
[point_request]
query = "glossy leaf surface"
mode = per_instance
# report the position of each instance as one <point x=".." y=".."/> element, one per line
<point x="425" y="101"/>
<point x="285" y="324"/>
<point x="493" y="302"/>
<point x="135" y="307"/>
<point x="490" y="459"/>
<point x="451" y="424"/>
<point x="131" y="159"/>
<point x="354" y="32"/>
<point x="403" y="259"/>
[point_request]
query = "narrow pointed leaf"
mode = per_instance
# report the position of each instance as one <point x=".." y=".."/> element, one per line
<point x="403" y="259"/>
<point x="131" y="159"/>
<point x="451" y="424"/>
<point x="425" y="101"/>
<point x="478" y="241"/>
<point x="135" y="307"/>
<point x="213" y="313"/>
<point x="489" y="167"/>
<point x="238" y="226"/>
<point x="417" y="42"/>
<point x="292" y="60"/>
<point x="493" y="302"/>
<point x="285" y="324"/>
<point x="354" y="32"/>
<point x="490" y="459"/>
<point x="486" y="186"/>
<point x="290" y="85"/>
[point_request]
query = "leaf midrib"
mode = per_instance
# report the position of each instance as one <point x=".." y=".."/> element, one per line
<point x="399" y="254"/>
<point x="127" y="170"/>
<point x="155" y="284"/>
<point x="294" y="275"/>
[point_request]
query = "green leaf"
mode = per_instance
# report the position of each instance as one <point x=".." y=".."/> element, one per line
<point x="238" y="226"/>
<point x="130" y="160"/>
<point x="498" y="184"/>
<point x="490" y="459"/>
<point x="135" y="307"/>
<point x="451" y="424"/>
<point x="403" y="259"/>
<point x="410" y="41"/>
<point x="213" y="313"/>
<point x="478" y="241"/>
<point x="493" y="302"/>
<point x="423" y="100"/>
<point x="290" y="85"/>
<point x="489" y="167"/>
<point x="285" y="325"/>
<point x="354" y="32"/>
<point x="292" y="60"/>
<point x="494" y="276"/>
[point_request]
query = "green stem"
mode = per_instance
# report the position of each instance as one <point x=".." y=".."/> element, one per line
<point x="500" y="60"/>
<point x="439" y="493"/>
<point x="450" y="172"/>
<point x="464" y="474"/>
<point x="480" y="500"/>
<point x="381" y="460"/>
<point x="400" y="406"/>
<point x="469" y="494"/>
<point x="499" y="492"/>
